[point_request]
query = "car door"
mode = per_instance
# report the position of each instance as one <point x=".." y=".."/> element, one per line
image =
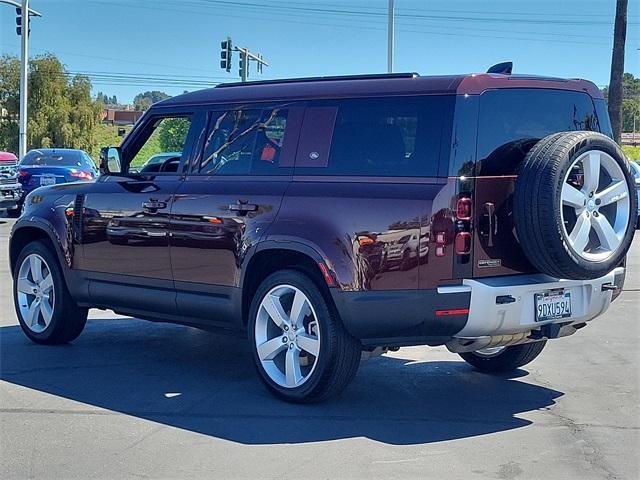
<point x="229" y="198"/>
<point x="125" y="228"/>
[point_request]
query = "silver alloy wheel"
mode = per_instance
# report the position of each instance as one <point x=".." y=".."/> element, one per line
<point x="287" y="336"/>
<point x="35" y="293"/>
<point x="490" y="351"/>
<point x="601" y="206"/>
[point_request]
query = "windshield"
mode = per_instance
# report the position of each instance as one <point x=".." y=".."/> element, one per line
<point x="70" y="159"/>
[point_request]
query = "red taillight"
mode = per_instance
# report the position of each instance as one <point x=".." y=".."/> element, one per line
<point x="457" y="311"/>
<point x="82" y="175"/>
<point x="23" y="173"/>
<point x="441" y="240"/>
<point x="325" y="273"/>
<point x="463" y="243"/>
<point x="366" y="241"/>
<point x="463" y="209"/>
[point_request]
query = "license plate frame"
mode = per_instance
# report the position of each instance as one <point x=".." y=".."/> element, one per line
<point x="47" y="180"/>
<point x="552" y="305"/>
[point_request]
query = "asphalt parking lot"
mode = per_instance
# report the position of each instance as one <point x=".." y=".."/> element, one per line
<point x="135" y="399"/>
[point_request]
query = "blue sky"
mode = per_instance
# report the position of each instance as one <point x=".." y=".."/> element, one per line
<point x="176" y="42"/>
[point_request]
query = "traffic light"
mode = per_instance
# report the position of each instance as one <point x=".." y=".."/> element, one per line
<point x="225" y="54"/>
<point x="243" y="69"/>
<point x="19" y="21"/>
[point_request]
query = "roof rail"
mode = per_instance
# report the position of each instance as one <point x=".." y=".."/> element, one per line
<point x="371" y="76"/>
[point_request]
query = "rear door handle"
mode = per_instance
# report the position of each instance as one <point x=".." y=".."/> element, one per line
<point x="154" y="205"/>
<point x="242" y="207"/>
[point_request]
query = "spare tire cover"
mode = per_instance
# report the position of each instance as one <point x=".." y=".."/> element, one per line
<point x="575" y="205"/>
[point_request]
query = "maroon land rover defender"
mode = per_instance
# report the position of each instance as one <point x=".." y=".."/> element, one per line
<point x="329" y="217"/>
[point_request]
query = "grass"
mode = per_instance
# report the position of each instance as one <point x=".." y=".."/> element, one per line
<point x="107" y="136"/>
<point x="632" y="152"/>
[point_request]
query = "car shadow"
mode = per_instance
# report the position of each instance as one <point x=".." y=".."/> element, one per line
<point x="205" y="383"/>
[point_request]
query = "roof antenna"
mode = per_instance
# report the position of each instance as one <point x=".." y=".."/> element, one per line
<point x="504" y="68"/>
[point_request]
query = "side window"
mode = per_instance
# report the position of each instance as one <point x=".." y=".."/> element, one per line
<point x="398" y="136"/>
<point x="230" y="141"/>
<point x="248" y="142"/>
<point x="162" y="145"/>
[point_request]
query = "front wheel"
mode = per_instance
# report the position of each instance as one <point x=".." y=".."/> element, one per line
<point x="45" y="309"/>
<point x="300" y="347"/>
<point x="504" y="359"/>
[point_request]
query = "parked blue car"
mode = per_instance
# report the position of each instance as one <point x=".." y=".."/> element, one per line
<point x="50" y="166"/>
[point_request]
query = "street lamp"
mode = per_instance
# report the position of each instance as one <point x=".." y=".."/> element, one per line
<point x="25" y="12"/>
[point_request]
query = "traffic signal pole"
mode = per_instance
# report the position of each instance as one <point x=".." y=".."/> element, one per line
<point x="23" y="14"/>
<point x="390" y="37"/>
<point x="246" y="56"/>
<point x="24" y="64"/>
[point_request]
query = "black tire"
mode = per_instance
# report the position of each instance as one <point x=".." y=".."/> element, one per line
<point x="537" y="205"/>
<point x="339" y="355"/>
<point x="405" y="263"/>
<point x="14" y="212"/>
<point x="509" y="359"/>
<point x="68" y="319"/>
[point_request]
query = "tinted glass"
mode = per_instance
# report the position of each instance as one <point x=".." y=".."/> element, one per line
<point x="397" y="136"/>
<point x="59" y="159"/>
<point x="511" y="121"/>
<point x="167" y="137"/>
<point x="245" y="142"/>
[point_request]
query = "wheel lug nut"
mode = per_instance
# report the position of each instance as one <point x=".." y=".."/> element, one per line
<point x="286" y="328"/>
<point x="285" y="339"/>
<point x="590" y="194"/>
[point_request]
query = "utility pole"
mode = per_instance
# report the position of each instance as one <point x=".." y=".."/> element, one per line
<point x="246" y="57"/>
<point x="23" y="14"/>
<point x="390" y="37"/>
<point x="617" y="69"/>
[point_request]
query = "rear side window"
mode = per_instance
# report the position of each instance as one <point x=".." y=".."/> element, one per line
<point x="511" y="121"/>
<point x="246" y="142"/>
<point x="397" y="136"/>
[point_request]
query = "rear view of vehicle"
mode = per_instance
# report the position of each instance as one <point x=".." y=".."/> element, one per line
<point x="10" y="189"/>
<point x="551" y="210"/>
<point x="50" y="166"/>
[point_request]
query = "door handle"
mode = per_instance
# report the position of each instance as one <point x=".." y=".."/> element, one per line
<point x="491" y="210"/>
<point x="154" y="205"/>
<point x="243" y="207"/>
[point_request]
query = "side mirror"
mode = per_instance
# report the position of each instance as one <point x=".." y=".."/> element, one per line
<point x="110" y="162"/>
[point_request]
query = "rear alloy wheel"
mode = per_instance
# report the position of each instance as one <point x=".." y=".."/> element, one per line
<point x="503" y="359"/>
<point x="595" y="217"/>
<point x="574" y="205"/>
<point x="300" y="347"/>
<point x="45" y="309"/>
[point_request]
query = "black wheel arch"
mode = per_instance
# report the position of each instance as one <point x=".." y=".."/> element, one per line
<point x="270" y="256"/>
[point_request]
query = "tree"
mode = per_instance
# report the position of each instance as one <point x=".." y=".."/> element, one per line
<point x="61" y="111"/>
<point x="617" y="68"/>
<point x="143" y="101"/>
<point x="172" y="133"/>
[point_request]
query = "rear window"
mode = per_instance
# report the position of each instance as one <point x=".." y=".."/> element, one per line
<point x="512" y="120"/>
<point x="67" y="159"/>
<point x="397" y="136"/>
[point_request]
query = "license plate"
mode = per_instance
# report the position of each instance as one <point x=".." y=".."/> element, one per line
<point x="47" y="180"/>
<point x="552" y="304"/>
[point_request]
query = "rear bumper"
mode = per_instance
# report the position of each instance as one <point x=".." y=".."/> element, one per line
<point x="492" y="322"/>
<point x="10" y="195"/>
<point x="411" y="317"/>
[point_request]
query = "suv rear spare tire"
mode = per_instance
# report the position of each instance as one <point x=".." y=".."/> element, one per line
<point x="573" y="209"/>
